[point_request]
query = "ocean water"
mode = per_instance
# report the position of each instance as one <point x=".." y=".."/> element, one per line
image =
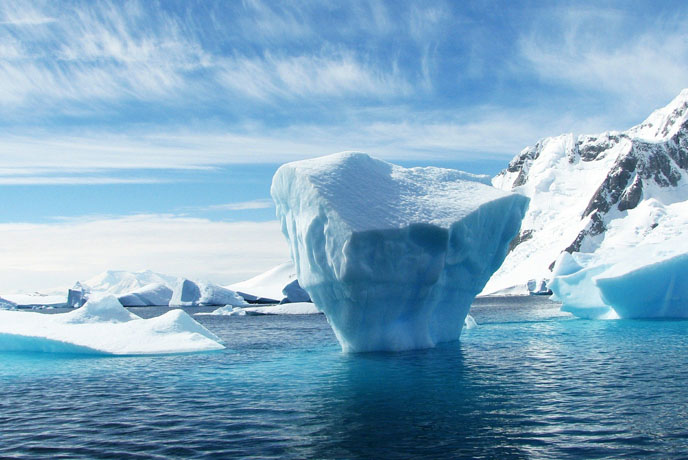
<point x="528" y="382"/>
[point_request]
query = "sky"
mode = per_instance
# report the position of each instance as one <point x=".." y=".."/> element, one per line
<point x="144" y="135"/>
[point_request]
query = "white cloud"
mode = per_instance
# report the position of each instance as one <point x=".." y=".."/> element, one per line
<point x="483" y="132"/>
<point x="336" y="75"/>
<point x="17" y="179"/>
<point x="241" y="206"/>
<point x="600" y="50"/>
<point x="40" y="256"/>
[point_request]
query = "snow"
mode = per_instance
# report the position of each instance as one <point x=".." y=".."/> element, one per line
<point x="664" y="123"/>
<point x="638" y="270"/>
<point x="155" y="294"/>
<point x="392" y="256"/>
<point x="296" y="308"/>
<point x="274" y="286"/>
<point x="6" y="304"/>
<point x="562" y="176"/>
<point x="36" y="300"/>
<point x="190" y="293"/>
<point x="103" y="325"/>
<point x="120" y="282"/>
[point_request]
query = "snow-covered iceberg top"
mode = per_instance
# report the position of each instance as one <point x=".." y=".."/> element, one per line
<point x="392" y="256"/>
<point x="103" y="325"/>
<point x="279" y="284"/>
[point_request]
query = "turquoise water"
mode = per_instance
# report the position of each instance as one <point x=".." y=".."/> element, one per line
<point x="529" y="382"/>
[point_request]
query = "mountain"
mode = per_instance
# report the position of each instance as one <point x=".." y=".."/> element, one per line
<point x="609" y="191"/>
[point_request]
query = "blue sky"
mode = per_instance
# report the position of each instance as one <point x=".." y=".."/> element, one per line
<point x="177" y="113"/>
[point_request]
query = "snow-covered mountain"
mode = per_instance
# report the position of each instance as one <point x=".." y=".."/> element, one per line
<point x="608" y="191"/>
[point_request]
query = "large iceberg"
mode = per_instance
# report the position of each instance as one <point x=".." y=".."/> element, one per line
<point x="103" y="325"/>
<point x="640" y="271"/>
<point x="392" y="256"/>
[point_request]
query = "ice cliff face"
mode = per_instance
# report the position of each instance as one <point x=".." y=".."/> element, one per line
<point x="585" y="190"/>
<point x="392" y="256"/>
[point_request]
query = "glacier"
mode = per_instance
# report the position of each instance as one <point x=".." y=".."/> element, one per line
<point x="104" y="326"/>
<point x="392" y="256"/>
<point x="586" y="189"/>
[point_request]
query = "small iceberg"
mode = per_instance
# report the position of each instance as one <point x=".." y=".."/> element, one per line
<point x="188" y="293"/>
<point x="104" y="326"/>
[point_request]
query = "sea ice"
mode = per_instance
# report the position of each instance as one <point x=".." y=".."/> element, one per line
<point x="295" y="308"/>
<point x="103" y="325"/>
<point x="188" y="293"/>
<point x="392" y="256"/>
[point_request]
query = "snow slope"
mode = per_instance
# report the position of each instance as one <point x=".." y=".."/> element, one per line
<point x="276" y="285"/>
<point x="102" y="325"/>
<point x="392" y="256"/>
<point x="593" y="192"/>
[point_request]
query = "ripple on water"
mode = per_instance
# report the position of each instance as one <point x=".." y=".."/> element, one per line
<point x="529" y="382"/>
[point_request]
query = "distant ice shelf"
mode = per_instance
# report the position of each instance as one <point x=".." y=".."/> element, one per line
<point x="392" y="256"/>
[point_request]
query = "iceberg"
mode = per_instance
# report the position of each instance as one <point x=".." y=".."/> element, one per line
<point x="104" y="326"/>
<point x="624" y="288"/>
<point x="637" y="272"/>
<point x="392" y="256"/>
<point x="155" y="294"/>
<point x="36" y="299"/>
<point x="188" y="293"/>
<point x="295" y="308"/>
<point x="277" y="285"/>
<point x="7" y="304"/>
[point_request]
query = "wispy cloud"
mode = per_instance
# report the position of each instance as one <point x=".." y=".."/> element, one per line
<point x="606" y="52"/>
<point x="337" y="75"/>
<point x="40" y="256"/>
<point x="240" y="206"/>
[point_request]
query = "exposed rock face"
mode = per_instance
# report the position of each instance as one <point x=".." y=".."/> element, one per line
<point x="580" y="186"/>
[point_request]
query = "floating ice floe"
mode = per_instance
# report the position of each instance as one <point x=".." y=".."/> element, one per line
<point x="392" y="256"/>
<point x="294" y="308"/>
<point x="104" y="326"/>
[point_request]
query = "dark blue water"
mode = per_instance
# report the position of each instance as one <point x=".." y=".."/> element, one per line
<point x="529" y="382"/>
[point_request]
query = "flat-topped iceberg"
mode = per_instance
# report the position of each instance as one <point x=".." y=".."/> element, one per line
<point x="103" y="325"/>
<point x="392" y="256"/>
